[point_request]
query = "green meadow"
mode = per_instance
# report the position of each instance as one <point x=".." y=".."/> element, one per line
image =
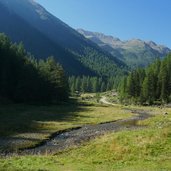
<point x="148" y="148"/>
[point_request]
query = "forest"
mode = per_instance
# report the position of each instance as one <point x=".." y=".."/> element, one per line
<point x="92" y="84"/>
<point x="25" y="79"/>
<point x="148" y="86"/>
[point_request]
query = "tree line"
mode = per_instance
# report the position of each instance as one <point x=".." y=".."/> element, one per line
<point x="25" y="79"/>
<point x="148" y="86"/>
<point x="92" y="84"/>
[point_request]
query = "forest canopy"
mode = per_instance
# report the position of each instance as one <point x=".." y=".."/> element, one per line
<point x="150" y="85"/>
<point x="24" y="79"/>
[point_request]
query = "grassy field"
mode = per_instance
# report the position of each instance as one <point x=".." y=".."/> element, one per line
<point x="147" y="149"/>
<point x="32" y="124"/>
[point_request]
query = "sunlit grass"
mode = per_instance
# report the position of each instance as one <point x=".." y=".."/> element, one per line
<point x="145" y="149"/>
<point x="33" y="124"/>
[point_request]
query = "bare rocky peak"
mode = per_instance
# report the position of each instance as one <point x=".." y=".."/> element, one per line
<point x="115" y="42"/>
<point x="134" y="52"/>
<point x="107" y="39"/>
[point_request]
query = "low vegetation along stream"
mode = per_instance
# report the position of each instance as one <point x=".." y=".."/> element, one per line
<point x="74" y="137"/>
<point x="98" y="140"/>
<point x="78" y="136"/>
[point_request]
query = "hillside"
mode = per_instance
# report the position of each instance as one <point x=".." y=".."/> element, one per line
<point x="30" y="23"/>
<point x="134" y="52"/>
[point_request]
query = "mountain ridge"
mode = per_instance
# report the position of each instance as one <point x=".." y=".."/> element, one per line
<point x="134" y="48"/>
<point x="57" y="36"/>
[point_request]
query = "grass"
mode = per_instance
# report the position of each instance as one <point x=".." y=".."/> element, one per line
<point x="147" y="149"/>
<point x="33" y="124"/>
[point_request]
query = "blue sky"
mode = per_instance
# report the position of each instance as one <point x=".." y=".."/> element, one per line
<point x="126" y="19"/>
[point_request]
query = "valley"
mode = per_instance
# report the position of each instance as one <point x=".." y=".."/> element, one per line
<point x="40" y="122"/>
<point x="78" y="100"/>
<point x="117" y="145"/>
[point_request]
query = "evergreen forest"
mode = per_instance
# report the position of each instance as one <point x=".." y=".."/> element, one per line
<point x="24" y="79"/>
<point x="148" y="86"/>
<point x="92" y="84"/>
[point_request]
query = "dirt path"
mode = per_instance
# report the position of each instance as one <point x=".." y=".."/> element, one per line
<point x="105" y="101"/>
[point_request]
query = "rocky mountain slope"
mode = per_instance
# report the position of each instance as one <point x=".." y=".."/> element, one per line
<point x="134" y="52"/>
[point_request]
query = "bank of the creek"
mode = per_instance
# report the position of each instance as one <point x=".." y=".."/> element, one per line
<point x="75" y="137"/>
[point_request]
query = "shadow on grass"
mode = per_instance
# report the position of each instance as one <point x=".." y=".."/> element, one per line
<point x="21" y="118"/>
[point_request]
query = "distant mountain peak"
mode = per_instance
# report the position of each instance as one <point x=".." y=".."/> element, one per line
<point x="100" y="35"/>
<point x="134" y="52"/>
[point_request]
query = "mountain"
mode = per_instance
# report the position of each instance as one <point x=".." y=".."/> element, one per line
<point x="133" y="52"/>
<point x="43" y="35"/>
